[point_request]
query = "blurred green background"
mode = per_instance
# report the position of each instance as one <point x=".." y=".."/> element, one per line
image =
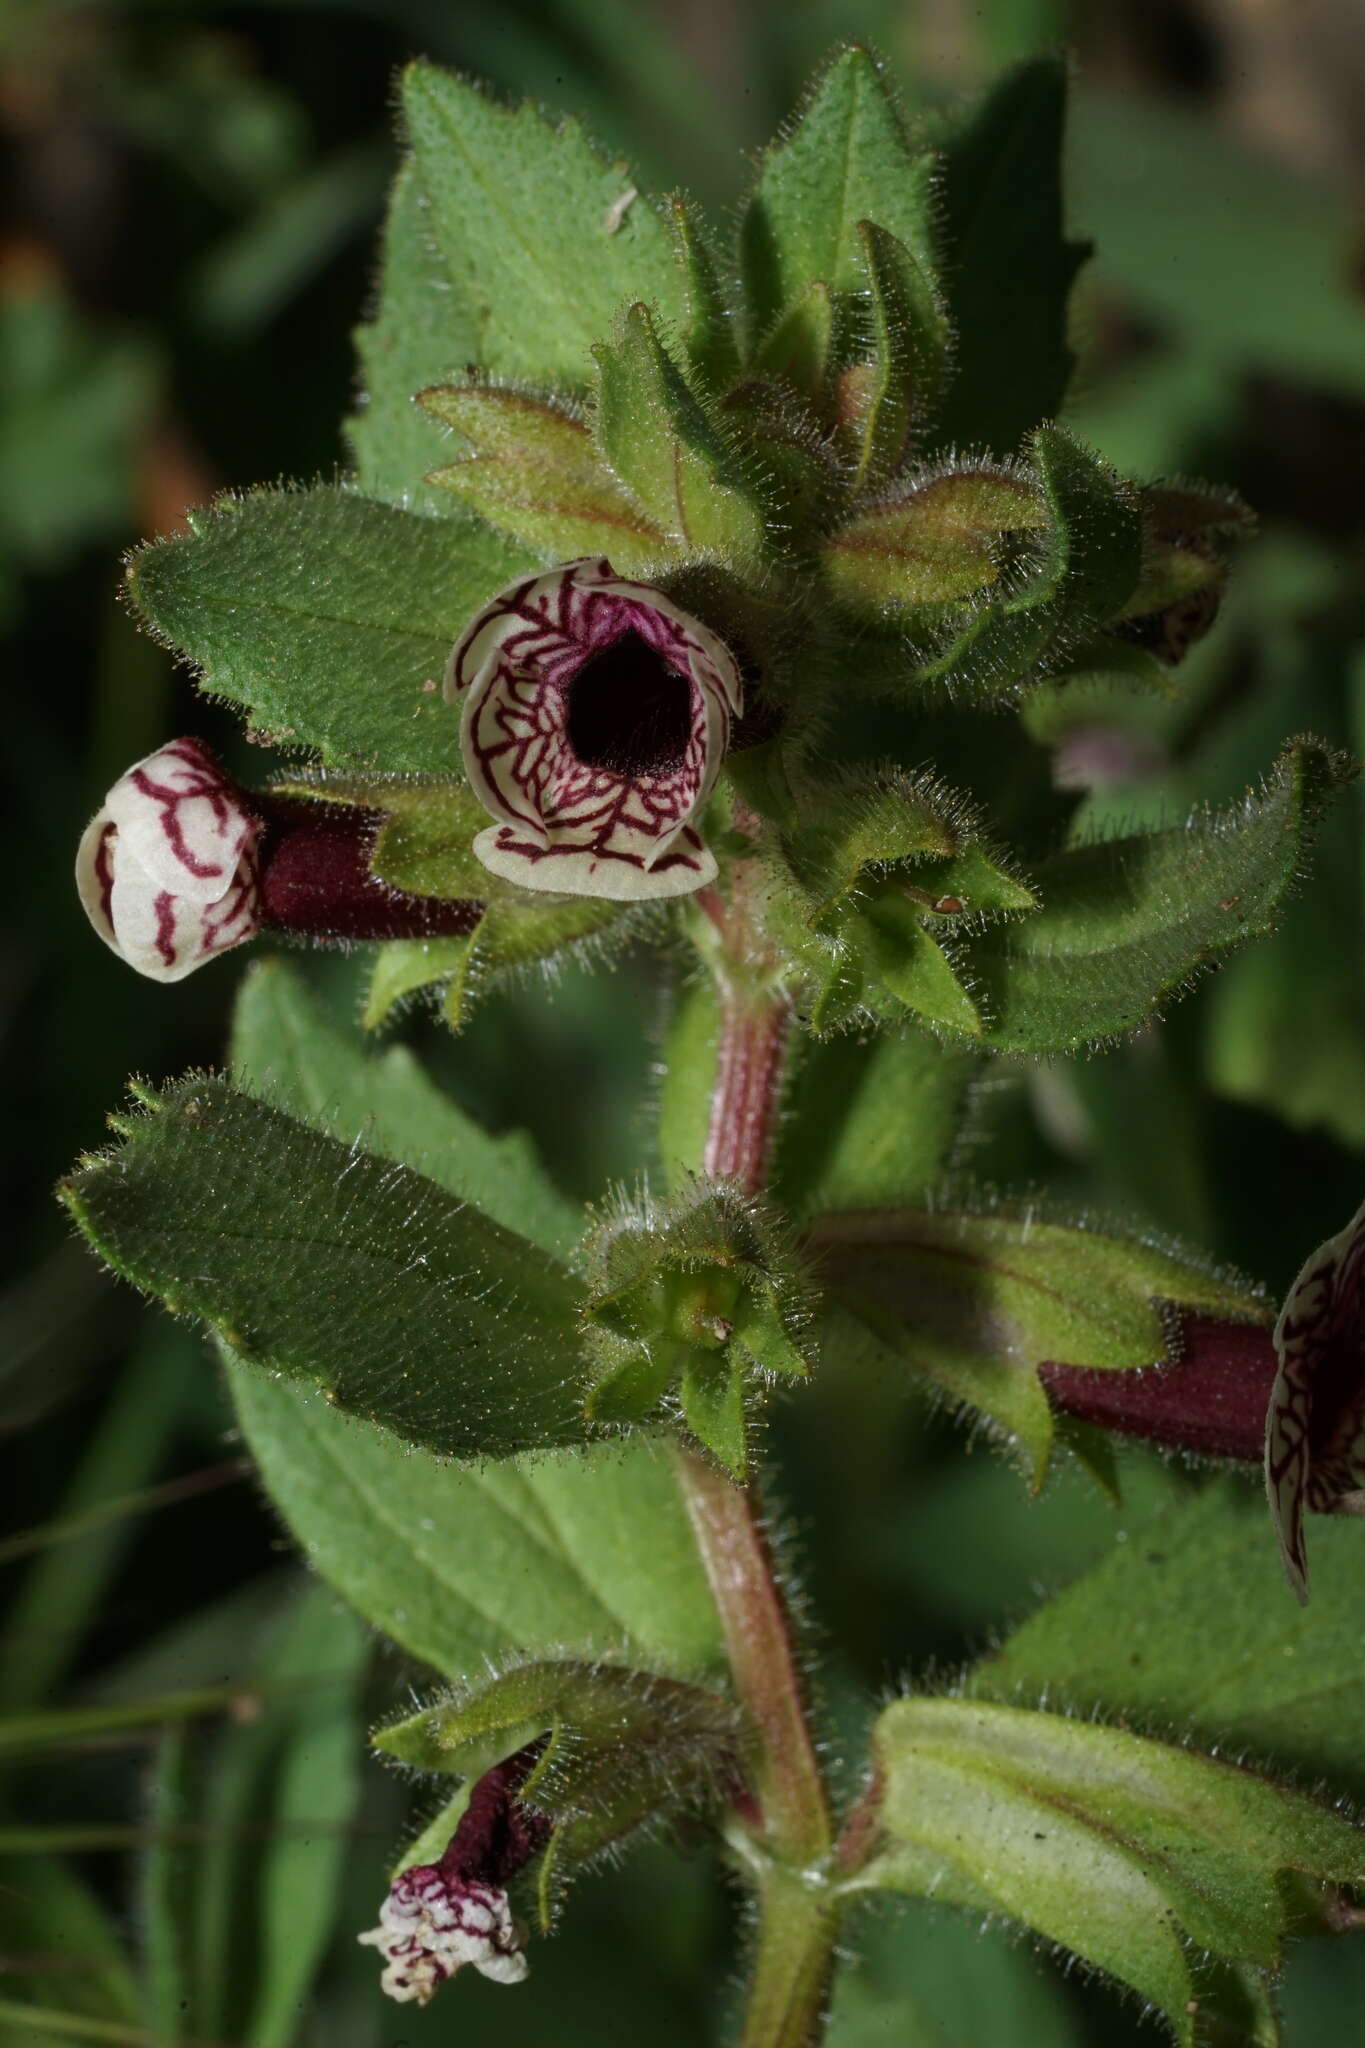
<point x="192" y="196"/>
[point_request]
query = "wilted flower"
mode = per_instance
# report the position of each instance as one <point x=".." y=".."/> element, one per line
<point x="596" y="718"/>
<point x="167" y="869"/>
<point x="433" y="1923"/>
<point x="1315" y="1426"/>
<point x="440" y="1916"/>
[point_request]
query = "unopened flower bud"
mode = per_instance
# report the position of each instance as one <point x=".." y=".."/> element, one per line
<point x="596" y="716"/>
<point x="181" y="863"/>
<point x="167" y="868"/>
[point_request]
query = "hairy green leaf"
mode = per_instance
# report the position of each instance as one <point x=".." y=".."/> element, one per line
<point x="1121" y="1849"/>
<point x="423" y="329"/>
<point x="870" y="1123"/>
<point x="662" y="441"/>
<point x="1127" y="923"/>
<point x="533" y="472"/>
<point x="327" y="617"/>
<point x="288" y="1050"/>
<point x="586" y="1551"/>
<point x="912" y="340"/>
<point x="977" y="1303"/>
<point x="541" y="233"/>
<point x="339" y="1269"/>
<point x="1188" y="1627"/>
<point x="845" y="160"/>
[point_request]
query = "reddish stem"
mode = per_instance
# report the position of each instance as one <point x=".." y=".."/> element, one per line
<point x="748" y="1087"/>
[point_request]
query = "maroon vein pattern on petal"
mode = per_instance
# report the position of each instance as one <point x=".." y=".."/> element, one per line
<point x="1315" y="1428"/>
<point x="609" y="812"/>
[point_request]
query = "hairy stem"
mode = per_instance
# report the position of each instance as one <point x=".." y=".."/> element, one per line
<point x="793" y="1962"/>
<point x="791" y="1828"/>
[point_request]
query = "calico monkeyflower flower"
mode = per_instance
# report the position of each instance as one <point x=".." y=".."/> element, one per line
<point x="432" y="1923"/>
<point x="596" y="715"/>
<point x="1315" y="1426"/>
<point x="440" y="1916"/>
<point x="167" y="868"/>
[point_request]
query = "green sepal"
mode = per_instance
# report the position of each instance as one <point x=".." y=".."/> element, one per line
<point x="545" y="237"/>
<point x="892" y="865"/>
<point x="938" y="541"/>
<point x="423" y="846"/>
<point x="669" y="449"/>
<point x="713" y="1395"/>
<point x="624" y="1749"/>
<point x="976" y="1302"/>
<point x="845" y="159"/>
<point x="704" y="1288"/>
<point x="339" y="1270"/>
<point x="1092" y="549"/>
<point x="1135" y="1855"/>
<point x="533" y="472"/>
<point x="799" y="347"/>
<point x="707" y="328"/>
<point x="910" y="963"/>
<point x="911" y="342"/>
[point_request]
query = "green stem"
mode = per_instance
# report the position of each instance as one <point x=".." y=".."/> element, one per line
<point x="787" y="1824"/>
<point x="793" y="1963"/>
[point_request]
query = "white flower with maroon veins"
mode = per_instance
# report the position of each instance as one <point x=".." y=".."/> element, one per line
<point x="596" y="715"/>
<point x="431" y="1925"/>
<point x="167" y="869"/>
<point x="1315" y="1426"/>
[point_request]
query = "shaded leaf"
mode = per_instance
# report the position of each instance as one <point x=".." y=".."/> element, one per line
<point x="977" y="1303"/>
<point x="1127" y="923"/>
<point x="1008" y="263"/>
<point x="1189" y="1626"/>
<point x="339" y="1269"/>
<point x="1121" y="1849"/>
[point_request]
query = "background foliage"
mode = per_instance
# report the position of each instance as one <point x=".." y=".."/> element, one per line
<point x="194" y="195"/>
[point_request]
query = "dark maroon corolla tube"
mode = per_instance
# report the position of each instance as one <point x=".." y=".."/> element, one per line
<point x="1211" y="1399"/>
<point x="315" y="880"/>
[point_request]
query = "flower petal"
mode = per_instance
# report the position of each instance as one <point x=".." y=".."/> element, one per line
<point x="433" y="1923"/>
<point x="182" y="820"/>
<point x="596" y="715"/>
<point x="1315" y="1425"/>
<point x="166" y="937"/>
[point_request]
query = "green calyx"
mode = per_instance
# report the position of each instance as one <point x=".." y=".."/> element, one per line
<point x="703" y="1295"/>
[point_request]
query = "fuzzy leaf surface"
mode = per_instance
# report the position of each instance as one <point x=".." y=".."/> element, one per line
<point x="977" y="1302"/>
<point x="590" y="1550"/>
<point x="1118" y="1848"/>
<point x="339" y="1269"/>
<point x="934" y="542"/>
<point x="1008" y="262"/>
<point x="662" y="441"/>
<point x="423" y="329"/>
<point x="1127" y="923"/>
<point x="325" y="616"/>
<point x="288" y="1050"/>
<point x="912" y="340"/>
<point x="583" y="1550"/>
<point x="846" y="160"/>
<point x="1188" y="1626"/>
<point x="532" y="471"/>
<point x="530" y="223"/>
